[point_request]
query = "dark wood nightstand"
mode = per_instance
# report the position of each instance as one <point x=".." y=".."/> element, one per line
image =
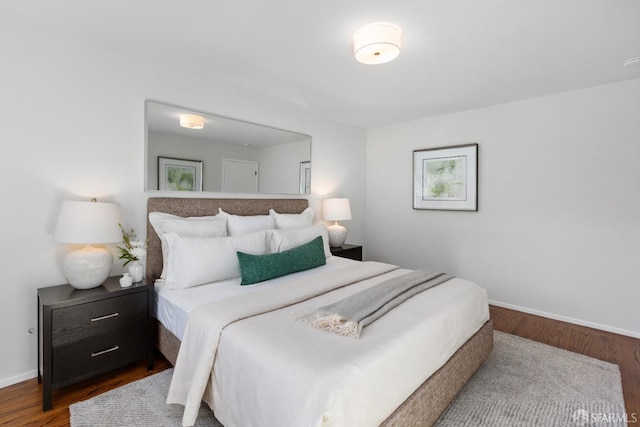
<point x="85" y="332"/>
<point x="348" y="251"/>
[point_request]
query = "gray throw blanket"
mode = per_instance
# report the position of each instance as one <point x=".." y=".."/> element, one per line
<point x="348" y="316"/>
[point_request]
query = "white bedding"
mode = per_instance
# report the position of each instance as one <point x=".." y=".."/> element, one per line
<point x="174" y="305"/>
<point x="272" y="370"/>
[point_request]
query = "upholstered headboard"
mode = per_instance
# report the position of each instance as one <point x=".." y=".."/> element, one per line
<point x="186" y="207"/>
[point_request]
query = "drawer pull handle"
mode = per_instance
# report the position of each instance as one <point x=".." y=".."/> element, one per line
<point x="95" y="319"/>
<point x="109" y="350"/>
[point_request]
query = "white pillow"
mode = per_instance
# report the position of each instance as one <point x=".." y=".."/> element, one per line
<point x="194" y="261"/>
<point x="303" y="219"/>
<point x="282" y="240"/>
<point x="238" y="225"/>
<point x="196" y="226"/>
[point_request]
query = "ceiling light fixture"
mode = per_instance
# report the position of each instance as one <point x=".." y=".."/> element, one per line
<point x="377" y="43"/>
<point x="191" y="121"/>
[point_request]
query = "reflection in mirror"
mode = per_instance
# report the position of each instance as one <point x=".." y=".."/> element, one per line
<point x="224" y="155"/>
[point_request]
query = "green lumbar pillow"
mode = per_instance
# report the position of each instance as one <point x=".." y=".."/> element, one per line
<point x="258" y="268"/>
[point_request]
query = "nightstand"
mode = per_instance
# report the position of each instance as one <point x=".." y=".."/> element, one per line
<point x="348" y="251"/>
<point x="85" y="332"/>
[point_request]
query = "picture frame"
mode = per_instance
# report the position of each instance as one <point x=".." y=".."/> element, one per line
<point x="305" y="177"/>
<point x="179" y="174"/>
<point x="446" y="178"/>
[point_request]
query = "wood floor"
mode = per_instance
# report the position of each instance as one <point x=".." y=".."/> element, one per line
<point x="21" y="404"/>
<point x="622" y="350"/>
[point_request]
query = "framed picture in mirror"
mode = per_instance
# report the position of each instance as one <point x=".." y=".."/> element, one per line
<point x="305" y="177"/>
<point x="179" y="174"/>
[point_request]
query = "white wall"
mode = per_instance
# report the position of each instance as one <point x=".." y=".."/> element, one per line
<point x="280" y="167"/>
<point x="558" y="227"/>
<point x="73" y="127"/>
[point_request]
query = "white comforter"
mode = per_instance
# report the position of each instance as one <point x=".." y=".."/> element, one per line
<point x="268" y="369"/>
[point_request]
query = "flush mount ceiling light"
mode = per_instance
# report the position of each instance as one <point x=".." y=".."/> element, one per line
<point x="191" y="121"/>
<point x="377" y="43"/>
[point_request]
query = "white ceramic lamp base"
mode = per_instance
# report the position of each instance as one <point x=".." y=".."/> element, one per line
<point x="88" y="267"/>
<point x="337" y="235"/>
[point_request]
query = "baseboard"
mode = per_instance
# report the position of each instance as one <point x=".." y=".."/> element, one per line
<point x="6" y="382"/>
<point x="561" y="318"/>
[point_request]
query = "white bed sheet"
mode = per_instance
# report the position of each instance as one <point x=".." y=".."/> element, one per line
<point x="174" y="305"/>
<point x="270" y="370"/>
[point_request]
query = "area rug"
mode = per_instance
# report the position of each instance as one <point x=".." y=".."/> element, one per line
<point x="525" y="383"/>
<point x="522" y="383"/>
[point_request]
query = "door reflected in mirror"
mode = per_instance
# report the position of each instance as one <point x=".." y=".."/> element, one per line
<point x="215" y="153"/>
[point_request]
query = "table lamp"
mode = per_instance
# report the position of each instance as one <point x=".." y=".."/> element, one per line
<point x="88" y="223"/>
<point x="336" y="209"/>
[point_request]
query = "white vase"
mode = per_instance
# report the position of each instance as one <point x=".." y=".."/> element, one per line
<point x="125" y="280"/>
<point x="136" y="271"/>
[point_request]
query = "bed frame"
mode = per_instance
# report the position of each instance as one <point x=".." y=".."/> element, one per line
<point x="420" y="409"/>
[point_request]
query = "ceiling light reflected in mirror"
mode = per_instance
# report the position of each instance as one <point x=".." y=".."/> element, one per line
<point x="191" y="121"/>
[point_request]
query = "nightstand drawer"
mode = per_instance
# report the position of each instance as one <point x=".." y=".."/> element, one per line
<point x="97" y="354"/>
<point x="81" y="321"/>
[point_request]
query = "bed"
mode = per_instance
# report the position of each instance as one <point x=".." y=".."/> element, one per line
<point x="245" y="350"/>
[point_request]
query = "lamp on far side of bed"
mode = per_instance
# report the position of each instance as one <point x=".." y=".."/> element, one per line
<point x="88" y="223"/>
<point x="336" y="209"/>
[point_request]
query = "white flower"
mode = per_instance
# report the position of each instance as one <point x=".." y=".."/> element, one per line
<point x="137" y="244"/>
<point x="138" y="252"/>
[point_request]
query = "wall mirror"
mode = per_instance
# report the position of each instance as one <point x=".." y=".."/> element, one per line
<point x="224" y="155"/>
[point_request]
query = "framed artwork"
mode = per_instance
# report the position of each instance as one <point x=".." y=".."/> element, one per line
<point x="446" y="178"/>
<point x="305" y="177"/>
<point x="179" y="174"/>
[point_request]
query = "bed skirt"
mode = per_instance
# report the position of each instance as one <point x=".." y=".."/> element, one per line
<point x="426" y="404"/>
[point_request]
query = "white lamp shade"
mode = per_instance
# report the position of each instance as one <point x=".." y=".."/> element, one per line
<point x="377" y="43"/>
<point x="88" y="223"/>
<point x="336" y="209"/>
<point x="191" y="121"/>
